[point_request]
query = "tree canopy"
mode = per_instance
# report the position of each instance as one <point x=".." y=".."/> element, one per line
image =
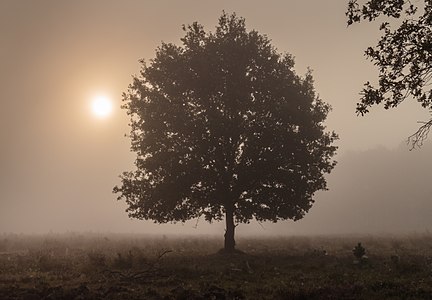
<point x="224" y="128"/>
<point x="403" y="56"/>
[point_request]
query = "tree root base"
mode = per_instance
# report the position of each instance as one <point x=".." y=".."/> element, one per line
<point x="224" y="251"/>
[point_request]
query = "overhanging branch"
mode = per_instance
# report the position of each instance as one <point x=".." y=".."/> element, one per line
<point x="417" y="139"/>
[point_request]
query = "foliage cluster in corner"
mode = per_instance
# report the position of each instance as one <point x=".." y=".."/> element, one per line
<point x="403" y="55"/>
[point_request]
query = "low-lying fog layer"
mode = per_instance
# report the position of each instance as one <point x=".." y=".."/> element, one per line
<point x="59" y="163"/>
<point x="375" y="191"/>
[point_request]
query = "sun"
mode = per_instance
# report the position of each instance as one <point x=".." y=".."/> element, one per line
<point x="101" y="106"/>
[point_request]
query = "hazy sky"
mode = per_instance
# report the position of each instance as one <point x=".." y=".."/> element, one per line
<point x="59" y="163"/>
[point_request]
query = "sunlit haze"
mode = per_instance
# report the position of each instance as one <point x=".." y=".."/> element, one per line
<point x="63" y="148"/>
<point x="101" y="106"/>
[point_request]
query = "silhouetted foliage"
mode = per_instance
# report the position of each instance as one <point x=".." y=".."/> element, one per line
<point x="359" y="251"/>
<point x="222" y="126"/>
<point x="403" y="56"/>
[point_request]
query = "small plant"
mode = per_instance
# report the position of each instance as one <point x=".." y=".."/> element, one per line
<point x="359" y="253"/>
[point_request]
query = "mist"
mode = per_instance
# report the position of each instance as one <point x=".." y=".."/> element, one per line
<point x="376" y="191"/>
<point x="244" y="117"/>
<point x="58" y="164"/>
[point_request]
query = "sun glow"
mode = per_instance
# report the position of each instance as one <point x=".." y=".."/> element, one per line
<point x="101" y="106"/>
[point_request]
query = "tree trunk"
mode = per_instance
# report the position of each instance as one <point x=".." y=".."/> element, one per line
<point x="229" y="231"/>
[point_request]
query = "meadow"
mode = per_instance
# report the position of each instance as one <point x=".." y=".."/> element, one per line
<point x="120" y="266"/>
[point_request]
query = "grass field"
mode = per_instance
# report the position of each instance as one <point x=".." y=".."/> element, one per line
<point x="95" y="266"/>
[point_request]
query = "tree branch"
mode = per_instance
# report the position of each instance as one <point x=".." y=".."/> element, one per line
<point x="417" y="139"/>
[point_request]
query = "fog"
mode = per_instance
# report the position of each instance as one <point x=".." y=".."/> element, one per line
<point x="377" y="191"/>
<point x="58" y="163"/>
<point x="373" y="191"/>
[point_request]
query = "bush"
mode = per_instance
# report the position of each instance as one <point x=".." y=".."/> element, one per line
<point x="359" y="253"/>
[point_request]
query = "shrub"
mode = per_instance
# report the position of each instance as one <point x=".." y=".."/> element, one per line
<point x="359" y="253"/>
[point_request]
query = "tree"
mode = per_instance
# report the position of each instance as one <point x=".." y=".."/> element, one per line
<point x="402" y="55"/>
<point x="223" y="127"/>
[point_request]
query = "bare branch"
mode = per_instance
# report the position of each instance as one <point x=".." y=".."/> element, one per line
<point x="417" y="139"/>
<point x="260" y="224"/>
<point x="163" y="253"/>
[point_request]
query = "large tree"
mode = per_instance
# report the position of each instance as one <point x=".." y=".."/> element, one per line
<point x="224" y="128"/>
<point x="403" y="56"/>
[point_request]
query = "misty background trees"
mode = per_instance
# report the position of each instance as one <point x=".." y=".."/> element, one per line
<point x="403" y="56"/>
<point x="378" y="191"/>
<point x="223" y="128"/>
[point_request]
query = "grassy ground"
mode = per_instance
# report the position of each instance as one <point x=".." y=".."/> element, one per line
<point x="73" y="266"/>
